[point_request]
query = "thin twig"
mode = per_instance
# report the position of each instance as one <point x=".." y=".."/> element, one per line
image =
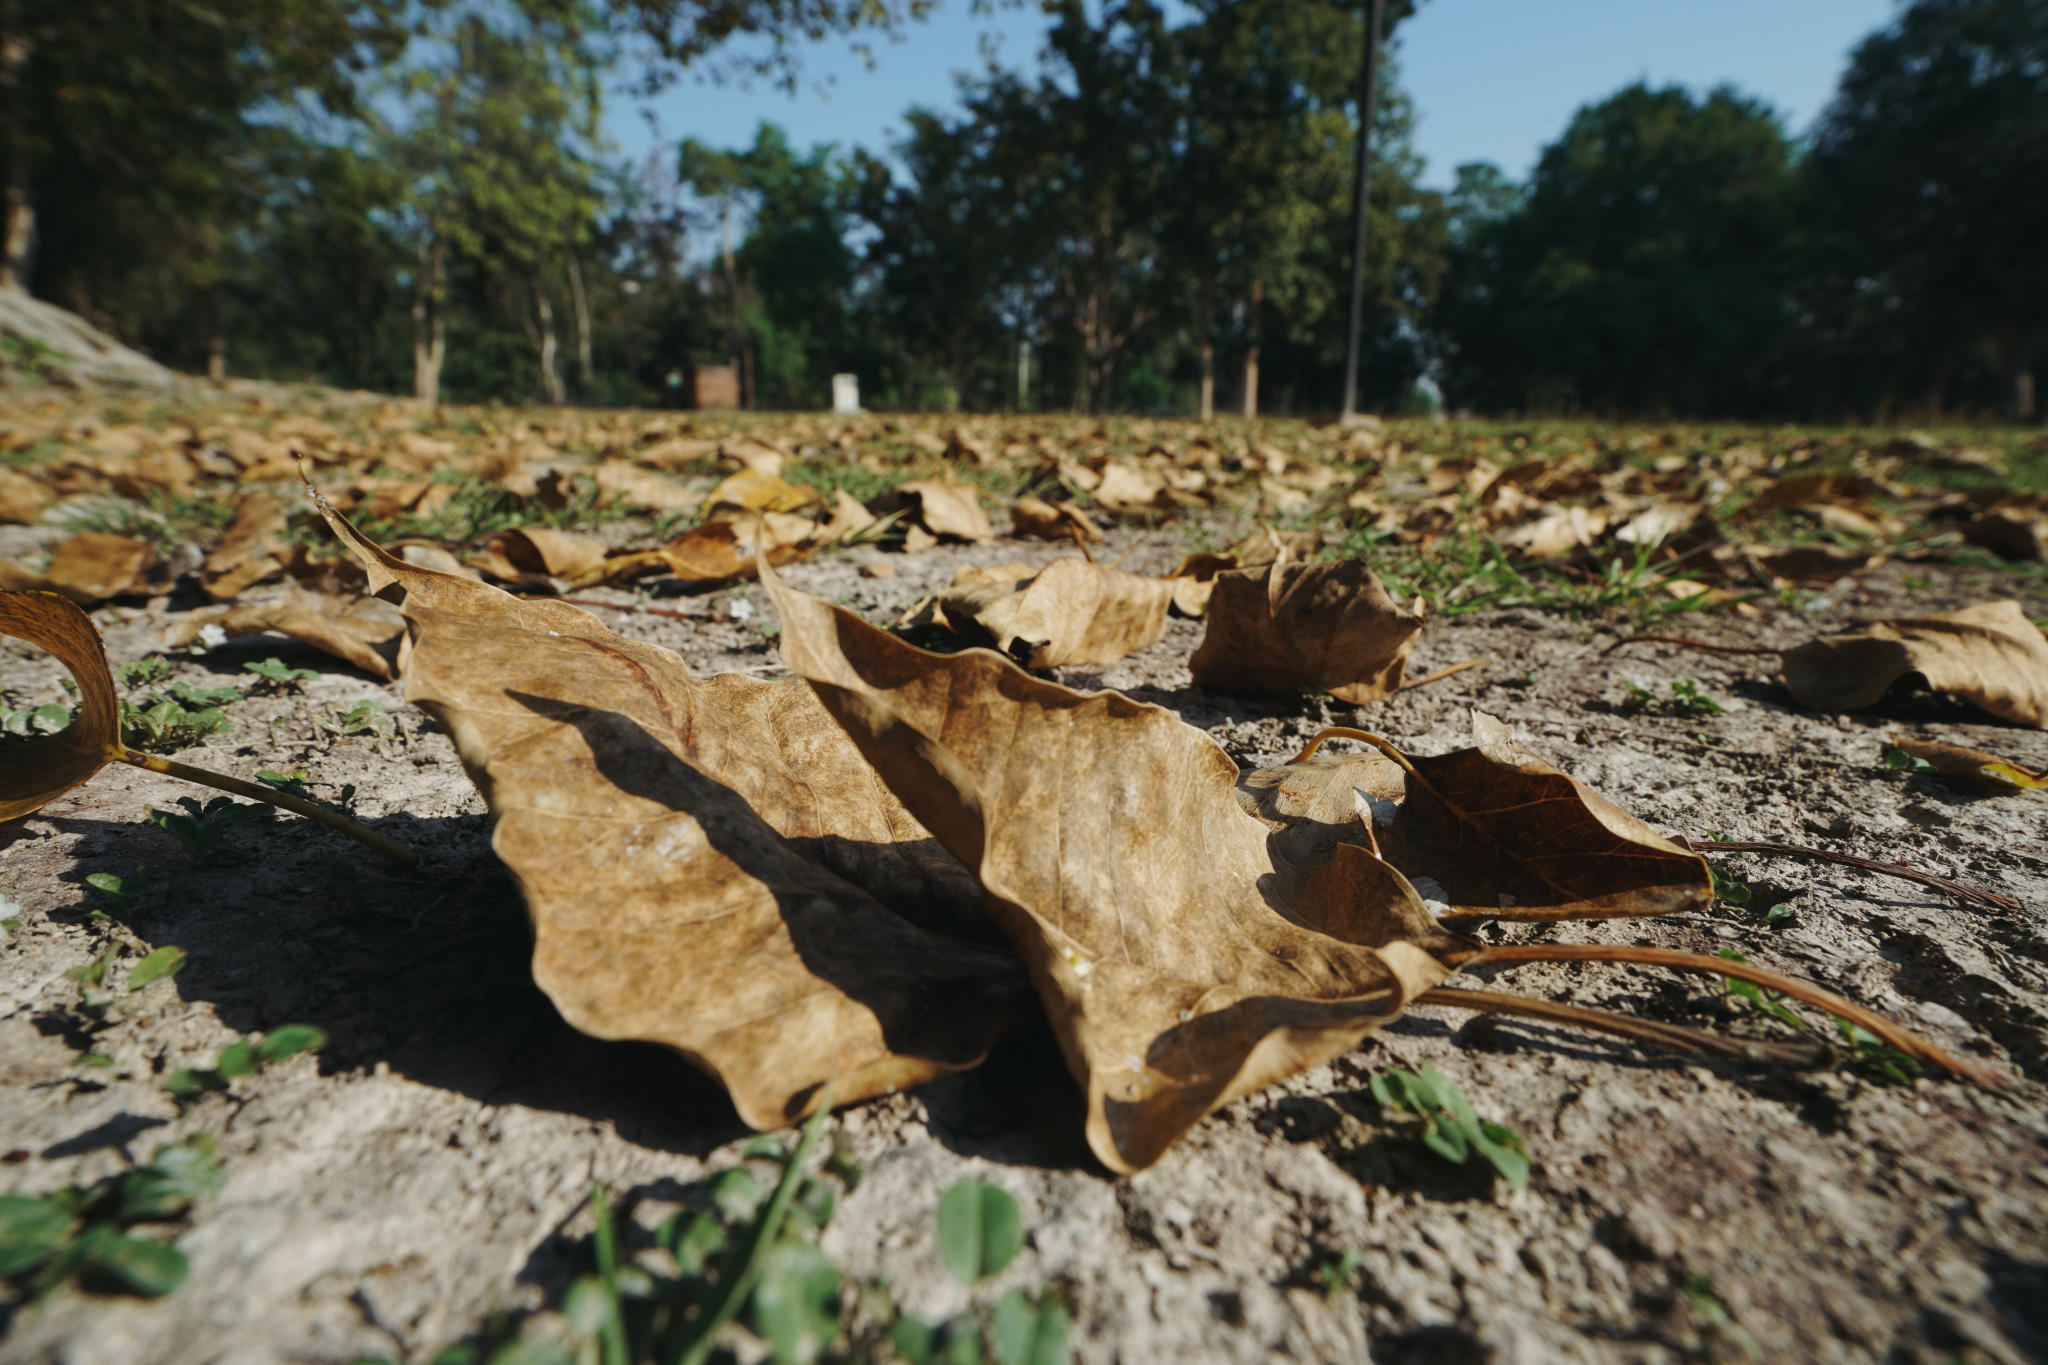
<point x="1652" y="1031"/>
<point x="1429" y="678"/>
<point x="312" y="810"/>
<point x="1688" y="643"/>
<point x="1082" y="541"/>
<point x="1904" y="1040"/>
<point x="1968" y="894"/>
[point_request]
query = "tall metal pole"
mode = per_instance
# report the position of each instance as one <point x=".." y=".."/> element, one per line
<point x="1367" y="81"/>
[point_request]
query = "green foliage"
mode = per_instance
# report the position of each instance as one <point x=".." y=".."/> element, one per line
<point x="1769" y="1001"/>
<point x="159" y="965"/>
<point x="1728" y="890"/>
<point x="135" y="893"/>
<point x="175" y="719"/>
<point x="143" y="672"/>
<point x="1686" y="699"/>
<point x="245" y="1057"/>
<point x="1866" y="1050"/>
<point x="298" y="783"/>
<point x="84" y="1231"/>
<point x="980" y="1230"/>
<point x="1339" y="1275"/>
<point x="200" y="829"/>
<point x="47" y="719"/>
<point x="364" y="718"/>
<point x="1899" y="761"/>
<point x="279" y="677"/>
<point x="1450" y="1128"/>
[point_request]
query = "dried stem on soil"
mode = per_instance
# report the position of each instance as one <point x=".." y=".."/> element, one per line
<point x="1651" y="1031"/>
<point x="1969" y="894"/>
<point x="312" y="810"/>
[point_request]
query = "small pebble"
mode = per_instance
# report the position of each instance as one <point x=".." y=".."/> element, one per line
<point x="880" y="568"/>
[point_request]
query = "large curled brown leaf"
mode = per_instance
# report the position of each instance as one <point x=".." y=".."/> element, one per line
<point x="1069" y="612"/>
<point x="1989" y="653"/>
<point x="1287" y="627"/>
<point x="710" y="865"/>
<point x="94" y="566"/>
<point x="1502" y="834"/>
<point x="1181" y="964"/>
<point x="38" y="770"/>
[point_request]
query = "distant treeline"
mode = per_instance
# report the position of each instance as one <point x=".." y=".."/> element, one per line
<point x="415" y="197"/>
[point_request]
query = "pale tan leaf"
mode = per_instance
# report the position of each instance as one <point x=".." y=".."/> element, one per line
<point x="1990" y="654"/>
<point x="1069" y="612"/>
<point x="1329" y="627"/>
<point x="22" y="499"/>
<point x="94" y="566"/>
<point x="248" y="550"/>
<point x="1974" y="766"/>
<point x="364" y="631"/>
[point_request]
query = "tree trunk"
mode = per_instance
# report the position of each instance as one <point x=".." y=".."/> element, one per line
<point x="586" y="371"/>
<point x="17" y="270"/>
<point x="429" y="321"/>
<point x="550" y="366"/>
<point x="1251" y="355"/>
<point x="2016" y="359"/>
<point x="1207" y="311"/>
<point x="1023" y="370"/>
<point x="732" y="287"/>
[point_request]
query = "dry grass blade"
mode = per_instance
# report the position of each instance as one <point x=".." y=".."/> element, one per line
<point x="1969" y="894"/>
<point x="1652" y="1031"/>
<point x="1892" y="1035"/>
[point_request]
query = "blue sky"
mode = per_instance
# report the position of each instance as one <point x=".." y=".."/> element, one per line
<point x="1492" y="80"/>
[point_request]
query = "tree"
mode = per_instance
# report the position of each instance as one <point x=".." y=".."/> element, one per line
<point x="1928" y="164"/>
<point x="1645" y="272"/>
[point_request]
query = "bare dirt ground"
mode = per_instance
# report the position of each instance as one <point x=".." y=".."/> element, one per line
<point x="430" y="1167"/>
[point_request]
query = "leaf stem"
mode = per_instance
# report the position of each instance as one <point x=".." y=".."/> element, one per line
<point x="1651" y="1031"/>
<point x="696" y="1348"/>
<point x="312" y="810"/>
<point x="1892" y="1034"/>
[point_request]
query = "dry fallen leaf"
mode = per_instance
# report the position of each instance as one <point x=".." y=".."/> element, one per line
<point x="760" y="491"/>
<point x="1175" y="983"/>
<point x="1990" y="654"/>
<point x="709" y="864"/>
<point x="364" y="631"/>
<point x="1041" y="520"/>
<point x="628" y="485"/>
<point x="1069" y="612"/>
<point x="1195" y="580"/>
<point x="535" y="552"/>
<point x="1498" y="832"/>
<point x="1973" y="766"/>
<point x="848" y="518"/>
<point x="1329" y="627"/>
<point x="1126" y="489"/>
<point x="974" y="575"/>
<point x="1267" y="546"/>
<point x="947" y="509"/>
<point x="248" y="550"/>
<point x="94" y="566"/>
<point x="42" y="768"/>
<point x="22" y="499"/>
<point x="2015" y="526"/>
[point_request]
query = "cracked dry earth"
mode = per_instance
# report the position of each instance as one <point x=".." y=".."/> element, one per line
<point x="430" y="1166"/>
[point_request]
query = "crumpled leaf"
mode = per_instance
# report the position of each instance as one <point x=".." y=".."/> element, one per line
<point x="1126" y="489"/>
<point x="1558" y="532"/>
<point x="760" y="490"/>
<point x="945" y="508"/>
<point x="709" y="865"/>
<point x="714" y="551"/>
<point x="2014" y="526"/>
<point x="363" y="630"/>
<point x="38" y="770"/>
<point x="22" y="499"/>
<point x="627" y="484"/>
<point x="1069" y="612"/>
<point x="1989" y="653"/>
<point x="849" y="517"/>
<point x="248" y="549"/>
<point x="536" y="552"/>
<point x="1814" y="564"/>
<point x="1502" y="834"/>
<point x="1042" y="520"/>
<point x="1329" y="627"/>
<point x="1973" y="765"/>
<point x="1195" y="580"/>
<point x="95" y="566"/>
<point x="1175" y="983"/>
<point x="1266" y="545"/>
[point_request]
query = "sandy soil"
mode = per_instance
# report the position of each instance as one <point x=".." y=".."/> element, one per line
<point x="429" y="1168"/>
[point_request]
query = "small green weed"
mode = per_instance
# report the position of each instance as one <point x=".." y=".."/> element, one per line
<point x="160" y="965"/>
<point x="1450" y="1128"/>
<point x="364" y="718"/>
<point x="135" y="893"/>
<point x="1728" y="890"/>
<point x="244" y="1058"/>
<point x="277" y="676"/>
<point x="1686" y="699"/>
<point x="47" y="719"/>
<point x="175" y="719"/>
<point x="143" y="672"/>
<point x="1898" y="760"/>
<point x="201" y="828"/>
<point x="297" y="783"/>
<point x="1865" y="1048"/>
<point x="1339" y="1275"/>
<point x="47" y="1240"/>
